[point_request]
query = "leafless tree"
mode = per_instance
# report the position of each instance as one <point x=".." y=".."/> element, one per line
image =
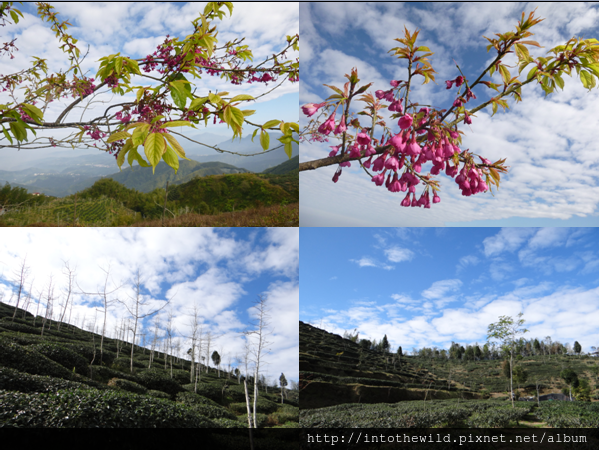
<point x="49" y="301"/>
<point x="260" y="334"/>
<point x="104" y="293"/>
<point x="155" y="339"/>
<point x="169" y="338"/>
<point x="21" y="276"/>
<point x="70" y="273"/>
<point x="135" y="310"/>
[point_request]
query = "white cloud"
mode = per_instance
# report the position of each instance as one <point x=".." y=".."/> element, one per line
<point x="398" y="254"/>
<point x="440" y="289"/>
<point x="508" y="239"/>
<point x="370" y="262"/>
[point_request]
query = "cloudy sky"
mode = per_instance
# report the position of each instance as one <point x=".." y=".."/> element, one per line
<point x="550" y="143"/>
<point x="222" y="271"/>
<point x="135" y="29"/>
<point x="425" y="287"/>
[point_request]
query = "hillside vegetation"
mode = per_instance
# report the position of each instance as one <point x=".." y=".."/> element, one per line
<point x="62" y="380"/>
<point x="109" y="203"/>
<point x="343" y="384"/>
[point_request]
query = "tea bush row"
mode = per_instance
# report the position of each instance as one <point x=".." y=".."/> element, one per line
<point x="93" y="408"/>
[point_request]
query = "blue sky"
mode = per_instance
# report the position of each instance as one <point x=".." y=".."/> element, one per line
<point x="220" y="270"/>
<point x="425" y="287"/>
<point x="135" y="29"/>
<point x="550" y="143"/>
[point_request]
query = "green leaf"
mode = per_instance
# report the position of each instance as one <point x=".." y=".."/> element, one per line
<point x="284" y="128"/>
<point x="531" y="73"/>
<point x="140" y="94"/>
<point x="154" y="148"/>
<point x="134" y="156"/>
<point x="197" y="103"/>
<point x="177" y="123"/>
<point x="264" y="140"/>
<point x="18" y="131"/>
<point x="336" y="89"/>
<point x="34" y="112"/>
<point x="505" y="74"/>
<point x="423" y="49"/>
<point x="248" y="112"/>
<point x="214" y="98"/>
<point x="288" y="149"/>
<point x="140" y="133"/>
<point x="133" y="66"/>
<point x="175" y="145"/>
<point x="253" y="135"/>
<point x="119" y="65"/>
<point x="170" y="157"/>
<point x="559" y="81"/>
<point x="118" y="136"/>
<point x="362" y="89"/>
<point x="270" y="124"/>
<point x="178" y="94"/>
<point x="5" y="131"/>
<point x="238" y="98"/>
<point x="121" y="157"/>
<point x="587" y="79"/>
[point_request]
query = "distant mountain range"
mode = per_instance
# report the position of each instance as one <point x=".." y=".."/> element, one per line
<point x="258" y="163"/>
<point x="64" y="175"/>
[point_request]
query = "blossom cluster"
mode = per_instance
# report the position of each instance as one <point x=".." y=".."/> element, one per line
<point x="404" y="151"/>
<point x="165" y="61"/>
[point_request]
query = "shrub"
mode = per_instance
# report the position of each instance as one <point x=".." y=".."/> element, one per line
<point x="103" y="374"/>
<point x="207" y="390"/>
<point x="262" y="406"/>
<point x="127" y="385"/>
<point x="154" y="379"/>
<point x="261" y="419"/>
<point x="13" y="380"/>
<point x="228" y="423"/>
<point x="158" y="394"/>
<point x="93" y="408"/>
<point x="281" y="417"/>
<point x="25" y="359"/>
<point x="190" y="398"/>
<point x="63" y="356"/>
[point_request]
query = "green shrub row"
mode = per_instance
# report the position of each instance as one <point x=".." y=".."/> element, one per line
<point x="13" y="380"/>
<point x="127" y="385"/>
<point x="93" y="408"/>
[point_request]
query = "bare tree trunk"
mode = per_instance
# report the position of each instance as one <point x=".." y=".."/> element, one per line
<point x="21" y="279"/>
<point x="247" y="400"/>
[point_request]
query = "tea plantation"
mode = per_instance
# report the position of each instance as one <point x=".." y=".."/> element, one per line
<point x="344" y="385"/>
<point x="62" y="380"/>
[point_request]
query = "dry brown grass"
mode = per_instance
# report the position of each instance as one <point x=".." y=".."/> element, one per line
<point x="266" y="216"/>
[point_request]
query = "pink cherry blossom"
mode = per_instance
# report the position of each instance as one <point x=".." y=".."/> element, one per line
<point x="405" y="122"/>
<point x="341" y="127"/>
<point x="311" y="108"/>
<point x="337" y="174"/>
<point x="392" y="163"/>
<point x="328" y="125"/>
<point x="379" y="179"/>
<point x="436" y="198"/>
<point x="363" y="138"/>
